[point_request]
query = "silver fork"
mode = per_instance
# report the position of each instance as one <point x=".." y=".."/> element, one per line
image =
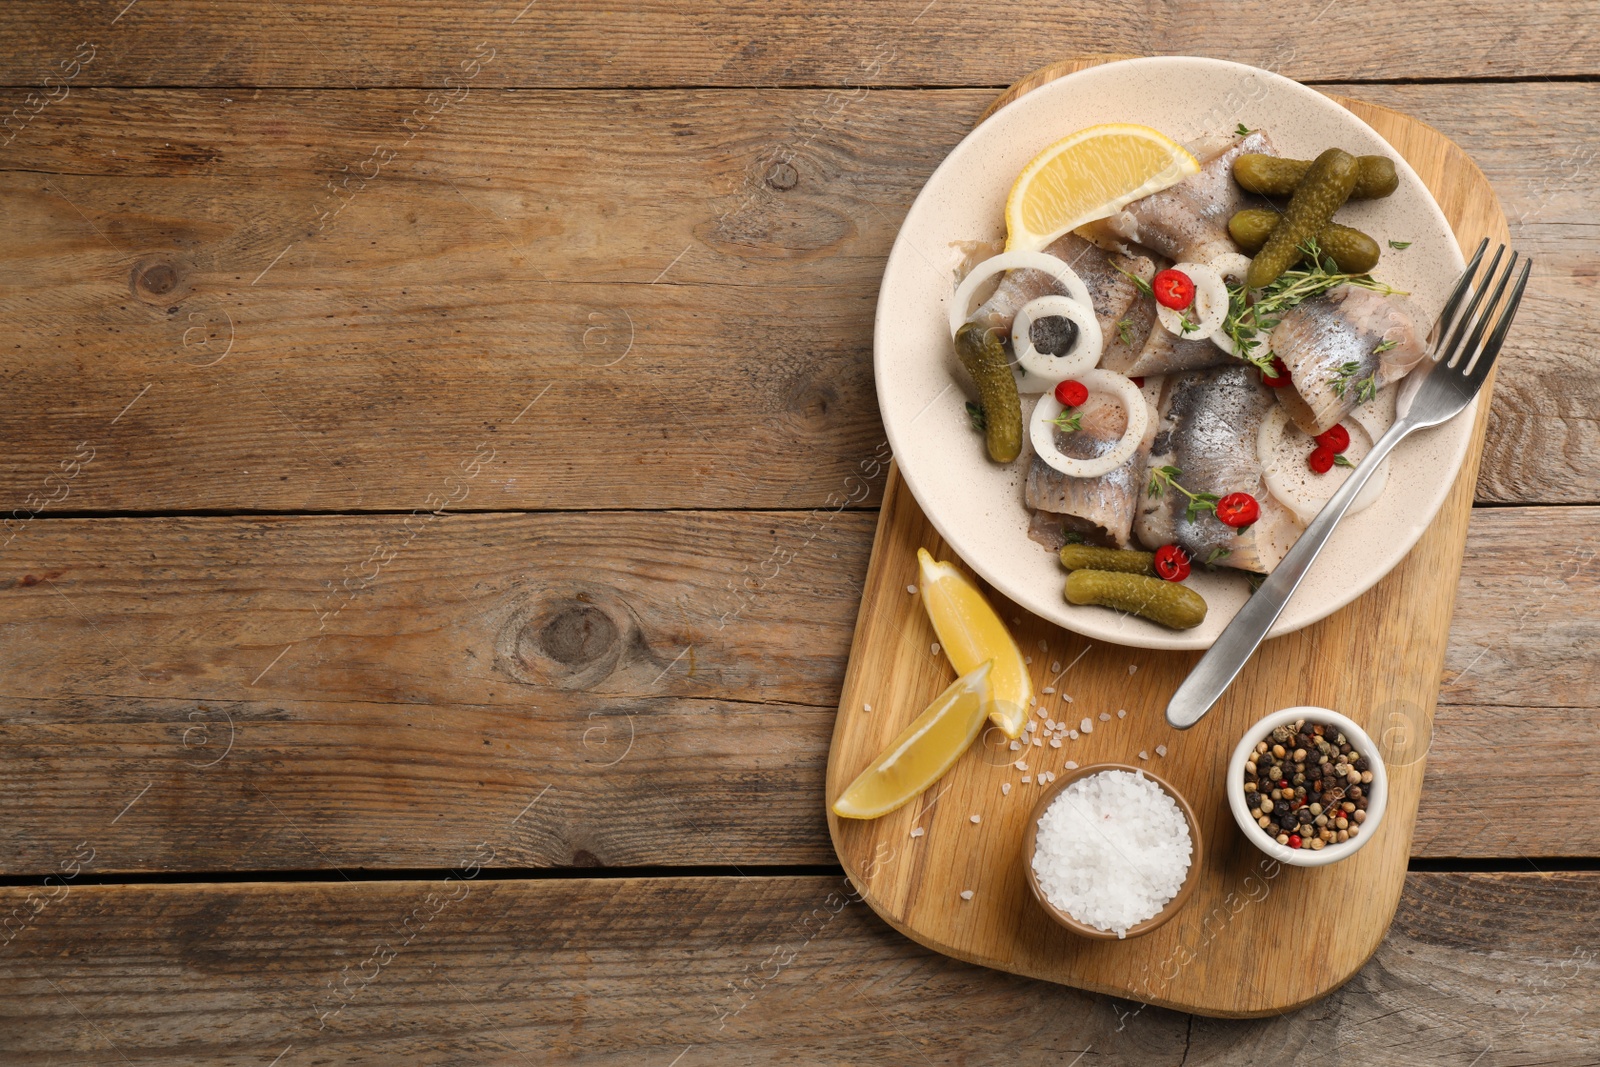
<point x="1462" y="363"/>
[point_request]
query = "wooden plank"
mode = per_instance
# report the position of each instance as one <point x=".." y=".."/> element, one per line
<point x="1374" y="660"/>
<point x="830" y="42"/>
<point x="511" y="246"/>
<point x="127" y="648"/>
<point x="721" y="970"/>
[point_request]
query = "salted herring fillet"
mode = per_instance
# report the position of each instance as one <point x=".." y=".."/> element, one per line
<point x="1188" y="222"/>
<point x="1207" y="427"/>
<point x="1331" y="345"/>
<point x="1099" y="510"/>
<point x="1109" y="290"/>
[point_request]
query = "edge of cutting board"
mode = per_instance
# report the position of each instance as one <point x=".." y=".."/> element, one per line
<point x="1413" y="604"/>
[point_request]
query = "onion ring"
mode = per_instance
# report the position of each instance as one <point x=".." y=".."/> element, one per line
<point x="1289" y="487"/>
<point x="1041" y="371"/>
<point x="1210" y="305"/>
<point x="1042" y="430"/>
<point x="1041" y="261"/>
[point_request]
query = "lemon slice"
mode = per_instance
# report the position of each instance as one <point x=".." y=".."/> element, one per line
<point x="923" y="751"/>
<point x="1087" y="176"/>
<point x="970" y="633"/>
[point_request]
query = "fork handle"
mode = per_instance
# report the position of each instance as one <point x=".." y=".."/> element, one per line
<point x="1233" y="647"/>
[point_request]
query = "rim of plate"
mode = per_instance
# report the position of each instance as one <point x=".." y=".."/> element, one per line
<point x="1031" y="112"/>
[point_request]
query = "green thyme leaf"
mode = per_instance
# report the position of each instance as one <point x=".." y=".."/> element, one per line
<point x="975" y="415"/>
<point x="1399" y="246"/>
<point x="1125" y="331"/>
<point x="1242" y="130"/>
<point x="1340" y="461"/>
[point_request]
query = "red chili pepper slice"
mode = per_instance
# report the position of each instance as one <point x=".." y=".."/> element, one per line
<point x="1238" y="510"/>
<point x="1071" y="393"/>
<point x="1279" y="376"/>
<point x="1321" y="459"/>
<point x="1172" y="563"/>
<point x="1173" y="288"/>
<point x="1335" y="437"/>
<point x="1137" y="380"/>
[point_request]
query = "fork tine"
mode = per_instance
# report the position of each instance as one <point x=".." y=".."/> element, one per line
<point x="1491" y="347"/>
<point x="1469" y="353"/>
<point x="1447" y="316"/>
<point x="1451" y="350"/>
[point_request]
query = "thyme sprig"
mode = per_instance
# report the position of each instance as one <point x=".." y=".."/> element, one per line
<point x="1249" y="319"/>
<point x="1138" y="283"/>
<point x="1164" y="478"/>
<point x="1070" y="423"/>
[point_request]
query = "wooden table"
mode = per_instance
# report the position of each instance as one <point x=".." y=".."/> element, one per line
<point x="434" y="437"/>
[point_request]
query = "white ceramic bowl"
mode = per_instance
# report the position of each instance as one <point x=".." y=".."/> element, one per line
<point x="1377" y="791"/>
<point x="975" y="504"/>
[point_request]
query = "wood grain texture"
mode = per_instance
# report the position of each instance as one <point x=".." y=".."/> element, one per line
<point x="128" y="649"/>
<point x="1397" y="633"/>
<point x="585" y="44"/>
<point x="511" y="246"/>
<point x="735" y="971"/>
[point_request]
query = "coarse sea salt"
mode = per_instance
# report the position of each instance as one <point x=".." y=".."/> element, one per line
<point x="1112" y="850"/>
<point x="1086" y="726"/>
<point x="1161" y="750"/>
<point x="1105" y="716"/>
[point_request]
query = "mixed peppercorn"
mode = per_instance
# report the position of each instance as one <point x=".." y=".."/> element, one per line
<point x="1307" y="786"/>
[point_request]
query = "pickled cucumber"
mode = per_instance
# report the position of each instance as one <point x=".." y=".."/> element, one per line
<point x="1167" y="603"/>
<point x="1091" y="557"/>
<point x="1272" y="176"/>
<point x="981" y="352"/>
<point x="1323" y="190"/>
<point x="1352" y="250"/>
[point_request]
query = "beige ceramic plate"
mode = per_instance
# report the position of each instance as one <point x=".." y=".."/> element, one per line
<point x="977" y="505"/>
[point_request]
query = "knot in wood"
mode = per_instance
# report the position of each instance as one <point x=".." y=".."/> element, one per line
<point x="783" y="176"/>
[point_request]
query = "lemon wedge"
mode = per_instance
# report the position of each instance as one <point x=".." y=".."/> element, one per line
<point x="970" y="632"/>
<point x="1090" y="175"/>
<point x="923" y="751"/>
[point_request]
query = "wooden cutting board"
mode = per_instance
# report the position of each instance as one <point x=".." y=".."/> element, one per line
<point x="1256" y="937"/>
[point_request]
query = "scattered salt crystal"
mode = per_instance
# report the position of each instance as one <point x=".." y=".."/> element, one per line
<point x="1020" y="765"/>
<point x="1042" y="712"/>
<point x="1055" y="666"/>
<point x="966" y="894"/>
<point x="1027" y="659"/>
<point x="935" y="647"/>
<point x="1087" y="725"/>
<point x="1015" y="621"/>
<point x="1038" y="742"/>
<point x="1144" y="755"/>
<point x="866" y="707"/>
<point x="1066" y="697"/>
<point x="1112" y="850"/>
<point x="1005" y="789"/>
<point x="1105" y="716"/>
<point x="1073" y="734"/>
<point x="1044" y="646"/>
<point x="1049" y="776"/>
<point x="1049" y="724"/>
<point x="1055" y="742"/>
<point x="1132" y="668"/>
<point x="917" y="831"/>
<point x="1047" y="690"/>
<point x="977" y="819"/>
<point x="1015" y="745"/>
<point x="1071" y="766"/>
<point x="1026" y="778"/>
<point x="1161" y="750"/>
<point x="1032" y="701"/>
<point x="1122" y="713"/>
<point x="911" y="589"/>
